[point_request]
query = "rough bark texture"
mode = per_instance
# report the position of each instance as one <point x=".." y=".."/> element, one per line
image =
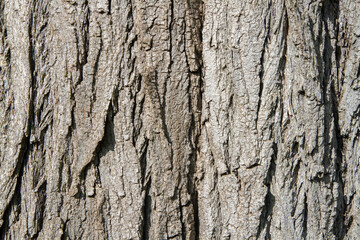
<point x="179" y="119"/>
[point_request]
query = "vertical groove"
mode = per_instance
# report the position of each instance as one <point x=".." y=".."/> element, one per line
<point x="109" y="7"/>
<point x="146" y="222"/>
<point x="183" y="227"/>
<point x="196" y="107"/>
<point x="153" y="117"/>
<point x="339" y="226"/>
<point x="305" y="218"/>
<point x="267" y="25"/>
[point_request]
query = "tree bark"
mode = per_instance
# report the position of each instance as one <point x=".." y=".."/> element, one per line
<point x="129" y="119"/>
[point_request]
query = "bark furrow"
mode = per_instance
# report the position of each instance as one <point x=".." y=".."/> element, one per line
<point x="179" y="119"/>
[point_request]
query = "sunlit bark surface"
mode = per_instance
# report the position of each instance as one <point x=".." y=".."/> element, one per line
<point x="179" y="119"/>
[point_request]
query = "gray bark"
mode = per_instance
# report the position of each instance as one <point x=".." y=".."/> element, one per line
<point x="129" y="119"/>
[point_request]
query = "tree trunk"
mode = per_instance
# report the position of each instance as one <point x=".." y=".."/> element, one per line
<point x="129" y="119"/>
